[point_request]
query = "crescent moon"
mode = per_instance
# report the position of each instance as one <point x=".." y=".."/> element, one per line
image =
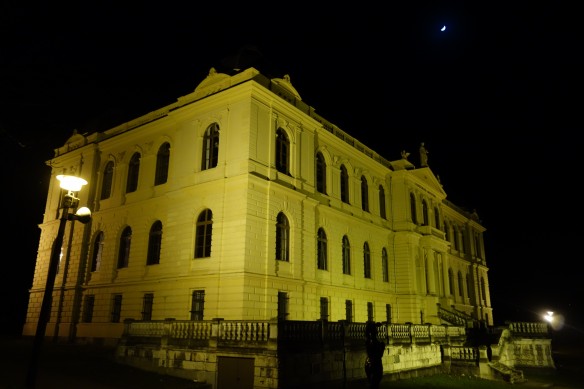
<point x="443" y="28"/>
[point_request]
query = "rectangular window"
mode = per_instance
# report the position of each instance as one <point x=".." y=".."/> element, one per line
<point x="88" y="305"/>
<point x="388" y="313"/>
<point x="348" y="311"/>
<point x="324" y="308"/>
<point x="370" y="316"/>
<point x="116" y="308"/>
<point x="197" y="304"/>
<point x="282" y="306"/>
<point x="147" y="304"/>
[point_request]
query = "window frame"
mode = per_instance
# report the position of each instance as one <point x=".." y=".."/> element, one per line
<point x="154" y="243"/>
<point x="344" y="184"/>
<point x="382" y="205"/>
<point x="283" y="306"/>
<point x="346" y="255"/>
<point x="162" y="164"/>
<point x="349" y="311"/>
<point x="133" y="173"/>
<point x="282" y="238"/>
<point x="147" y="306"/>
<point x="210" y="153"/>
<point x="366" y="261"/>
<point x="364" y="194"/>
<point x="320" y="174"/>
<point x="370" y="311"/>
<point x="203" y="234"/>
<point x="124" y="249"/>
<point x="88" y="308"/>
<point x="97" y="253"/>
<point x="197" y="305"/>
<point x="116" y="312"/>
<point x="107" y="181"/>
<point x="385" y="264"/>
<point x="324" y="309"/>
<point x="322" y="249"/>
<point x="282" y="151"/>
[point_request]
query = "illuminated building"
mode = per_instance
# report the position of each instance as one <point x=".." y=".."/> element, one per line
<point x="240" y="202"/>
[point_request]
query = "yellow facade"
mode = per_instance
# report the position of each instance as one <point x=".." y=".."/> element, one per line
<point x="258" y="177"/>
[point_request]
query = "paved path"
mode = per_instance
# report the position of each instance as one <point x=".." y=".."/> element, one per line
<point x="65" y="366"/>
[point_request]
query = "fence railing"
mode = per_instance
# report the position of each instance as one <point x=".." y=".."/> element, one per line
<point x="536" y="329"/>
<point x="287" y="333"/>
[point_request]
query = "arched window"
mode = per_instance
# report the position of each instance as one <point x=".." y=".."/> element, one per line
<point x="478" y="246"/>
<point x="364" y="194"/>
<point x="133" y="171"/>
<point x="97" y="252"/>
<point x="455" y="238"/>
<point x="462" y="240"/>
<point x="382" y="202"/>
<point x="425" y="213"/>
<point x="460" y="285"/>
<point x="346" y="255"/>
<point x="446" y="231"/>
<point x="162" y="164"/>
<point x="282" y="152"/>
<point x="203" y="234"/>
<point x="210" y="147"/>
<point x="388" y="313"/>
<point x="451" y="281"/>
<point x="282" y="238"/>
<point x="320" y="173"/>
<point x="108" y="178"/>
<point x="413" y="208"/>
<point x="322" y="261"/>
<point x="124" y="253"/>
<point x="366" y="261"/>
<point x="436" y="218"/>
<point x="154" y="243"/>
<point x="385" y="265"/>
<point x="344" y="185"/>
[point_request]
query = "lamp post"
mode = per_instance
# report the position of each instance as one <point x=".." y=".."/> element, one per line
<point x="71" y="184"/>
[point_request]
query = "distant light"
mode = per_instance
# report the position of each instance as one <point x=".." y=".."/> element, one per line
<point x="556" y="321"/>
<point x="443" y="28"/>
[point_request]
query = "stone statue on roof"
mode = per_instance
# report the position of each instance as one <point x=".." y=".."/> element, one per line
<point x="423" y="155"/>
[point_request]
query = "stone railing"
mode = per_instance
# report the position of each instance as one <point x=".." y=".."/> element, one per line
<point x="188" y="333"/>
<point x="451" y="317"/>
<point x="464" y="354"/>
<point x="529" y="329"/>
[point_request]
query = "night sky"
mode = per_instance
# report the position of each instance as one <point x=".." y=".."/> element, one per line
<point x="496" y="97"/>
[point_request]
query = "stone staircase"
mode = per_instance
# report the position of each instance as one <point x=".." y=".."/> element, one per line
<point x="508" y="374"/>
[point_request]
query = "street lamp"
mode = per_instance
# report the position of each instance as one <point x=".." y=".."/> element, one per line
<point x="71" y="184"/>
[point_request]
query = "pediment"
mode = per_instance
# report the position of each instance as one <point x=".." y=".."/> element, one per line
<point x="428" y="179"/>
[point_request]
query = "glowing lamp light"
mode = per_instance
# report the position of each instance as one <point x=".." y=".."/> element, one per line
<point x="556" y="322"/>
<point x="71" y="183"/>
